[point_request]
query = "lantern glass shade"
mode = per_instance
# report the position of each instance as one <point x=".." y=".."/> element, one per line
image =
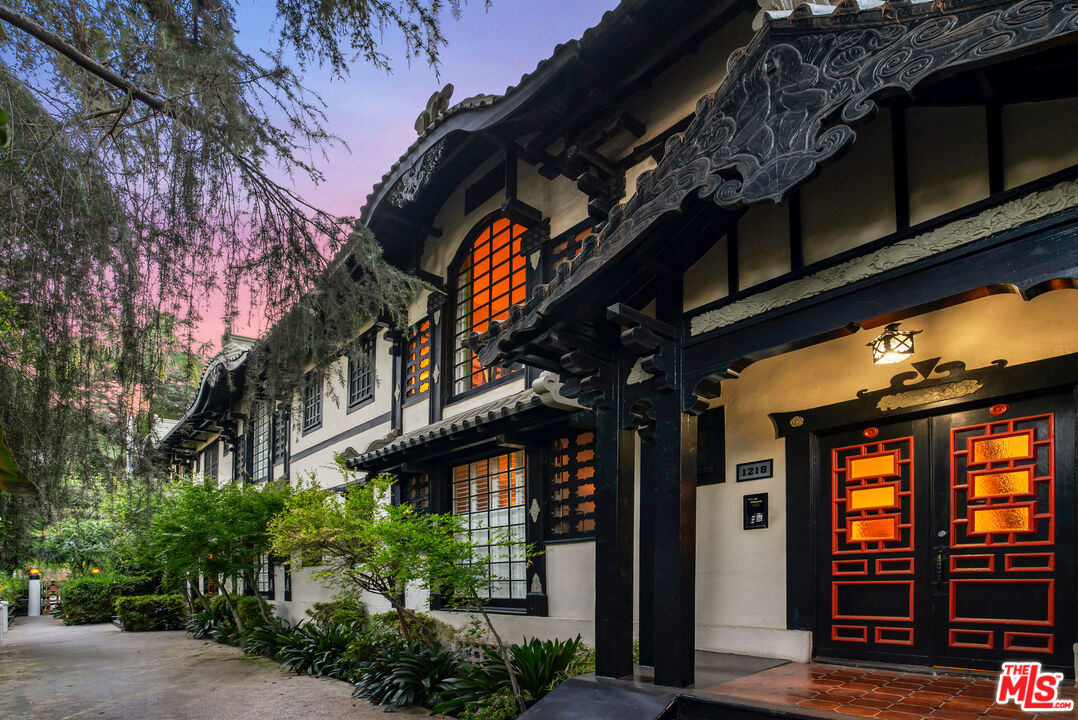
<point x="34" y="571"/>
<point x="893" y="345"/>
<point x="96" y="570"/>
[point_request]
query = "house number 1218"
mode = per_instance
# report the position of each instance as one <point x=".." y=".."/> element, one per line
<point x="755" y="470"/>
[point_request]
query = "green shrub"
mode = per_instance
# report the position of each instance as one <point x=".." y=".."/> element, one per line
<point x="14" y="589"/>
<point x="266" y="639"/>
<point x="539" y="666"/>
<point x="92" y="599"/>
<point x="499" y="706"/>
<point x="403" y="674"/>
<point x="317" y="650"/>
<point x="151" y="612"/>
<point x="213" y="616"/>
<point x="340" y="611"/>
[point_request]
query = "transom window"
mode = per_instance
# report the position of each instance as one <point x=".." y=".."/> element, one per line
<point x="572" y="486"/>
<point x="417" y="361"/>
<point x="489" y="494"/>
<point x="312" y="402"/>
<point x="492" y="277"/>
<point x="260" y="438"/>
<point x="361" y="371"/>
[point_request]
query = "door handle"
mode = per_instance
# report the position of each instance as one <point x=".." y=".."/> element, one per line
<point x="939" y="565"/>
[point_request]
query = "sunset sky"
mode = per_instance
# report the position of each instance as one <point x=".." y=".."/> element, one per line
<point x="489" y="49"/>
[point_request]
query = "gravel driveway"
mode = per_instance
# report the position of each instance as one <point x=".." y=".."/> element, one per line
<point x="48" y="670"/>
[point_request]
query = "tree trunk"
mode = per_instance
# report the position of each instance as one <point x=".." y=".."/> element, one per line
<point x="232" y="606"/>
<point x="504" y="652"/>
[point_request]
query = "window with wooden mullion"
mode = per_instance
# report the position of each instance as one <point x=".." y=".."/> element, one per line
<point x="567" y="247"/>
<point x="489" y="494"/>
<point x="260" y="451"/>
<point x="417" y="361"/>
<point x="361" y="371"/>
<point x="415" y="491"/>
<point x="312" y="402"/>
<point x="265" y="577"/>
<point x="571" y="473"/>
<point x="492" y="277"/>
<point x="280" y="437"/>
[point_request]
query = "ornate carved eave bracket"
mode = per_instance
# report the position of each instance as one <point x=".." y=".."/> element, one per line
<point x="787" y="105"/>
<point x="417" y="177"/>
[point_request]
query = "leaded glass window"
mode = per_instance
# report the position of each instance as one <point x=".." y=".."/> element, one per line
<point x="489" y="493"/>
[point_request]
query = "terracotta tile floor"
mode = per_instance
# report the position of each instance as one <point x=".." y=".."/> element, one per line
<point x="880" y="693"/>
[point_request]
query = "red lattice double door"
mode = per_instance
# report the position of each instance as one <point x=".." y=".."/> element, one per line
<point x="949" y="540"/>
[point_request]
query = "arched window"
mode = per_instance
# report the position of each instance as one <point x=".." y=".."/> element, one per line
<point x="492" y="276"/>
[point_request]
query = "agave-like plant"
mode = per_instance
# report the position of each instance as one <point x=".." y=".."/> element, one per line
<point x="405" y="674"/>
<point x="316" y="649"/>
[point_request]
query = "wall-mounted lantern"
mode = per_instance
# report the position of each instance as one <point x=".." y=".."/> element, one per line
<point x="893" y="345"/>
<point x="95" y="570"/>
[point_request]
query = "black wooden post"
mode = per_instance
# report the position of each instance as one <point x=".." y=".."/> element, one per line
<point x="674" y="508"/>
<point x="613" y="534"/>
<point x="646" y="603"/>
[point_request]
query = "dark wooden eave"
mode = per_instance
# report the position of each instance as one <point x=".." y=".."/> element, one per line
<point x="567" y="94"/>
<point x="787" y="106"/>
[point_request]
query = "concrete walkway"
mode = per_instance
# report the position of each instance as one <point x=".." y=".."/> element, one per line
<point x="48" y="670"/>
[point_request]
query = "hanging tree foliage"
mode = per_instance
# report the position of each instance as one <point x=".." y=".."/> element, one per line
<point x="150" y="162"/>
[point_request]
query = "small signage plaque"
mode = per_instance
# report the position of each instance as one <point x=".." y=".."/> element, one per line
<point x="756" y="511"/>
<point x="755" y="470"/>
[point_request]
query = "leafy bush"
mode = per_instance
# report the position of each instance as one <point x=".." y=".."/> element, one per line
<point x="499" y="706"/>
<point x="203" y="623"/>
<point x="15" y="590"/>
<point x="266" y="639"/>
<point x="339" y="611"/>
<point x="151" y="612"/>
<point x="539" y="666"/>
<point x="92" y="599"/>
<point x="316" y="649"/>
<point x="406" y="675"/>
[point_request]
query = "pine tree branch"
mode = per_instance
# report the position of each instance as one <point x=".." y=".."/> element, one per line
<point x="84" y="61"/>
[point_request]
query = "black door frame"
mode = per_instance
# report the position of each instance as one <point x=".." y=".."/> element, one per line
<point x="802" y="430"/>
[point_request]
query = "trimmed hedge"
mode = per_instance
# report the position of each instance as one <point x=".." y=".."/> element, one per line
<point x="246" y="605"/>
<point x="151" y="612"/>
<point x="339" y="612"/>
<point x="92" y="599"/>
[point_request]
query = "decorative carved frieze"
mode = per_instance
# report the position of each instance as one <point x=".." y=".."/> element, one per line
<point x="787" y="105"/>
<point x="417" y="177"/>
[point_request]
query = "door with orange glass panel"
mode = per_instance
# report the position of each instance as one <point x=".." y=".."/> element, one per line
<point x="950" y="540"/>
<point x="1003" y="556"/>
<point x="873" y="517"/>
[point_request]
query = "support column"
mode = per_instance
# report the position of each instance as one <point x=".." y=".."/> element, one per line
<point x="613" y="536"/>
<point x="646" y="593"/>
<point x="674" y="510"/>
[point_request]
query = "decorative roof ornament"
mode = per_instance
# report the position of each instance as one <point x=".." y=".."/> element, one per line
<point x="436" y="106"/>
<point x="417" y="176"/>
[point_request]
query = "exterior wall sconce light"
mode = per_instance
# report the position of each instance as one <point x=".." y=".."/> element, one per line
<point x="96" y="570"/>
<point x="34" y="571"/>
<point x="893" y="345"/>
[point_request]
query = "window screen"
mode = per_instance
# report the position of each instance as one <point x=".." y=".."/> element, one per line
<point x="361" y="371"/>
<point x="312" y="402"/>
<point x="571" y="476"/>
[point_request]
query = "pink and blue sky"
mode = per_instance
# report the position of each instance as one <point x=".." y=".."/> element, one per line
<point x="374" y="113"/>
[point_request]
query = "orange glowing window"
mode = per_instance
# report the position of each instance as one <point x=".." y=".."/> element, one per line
<point x="492" y="277"/>
<point x="571" y="470"/>
<point x="1015" y="518"/>
<point x="1001" y="484"/>
<point x="871" y="466"/>
<point x="417" y="361"/>
<point x="872" y="529"/>
<point x="882" y="496"/>
<point x="999" y="448"/>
